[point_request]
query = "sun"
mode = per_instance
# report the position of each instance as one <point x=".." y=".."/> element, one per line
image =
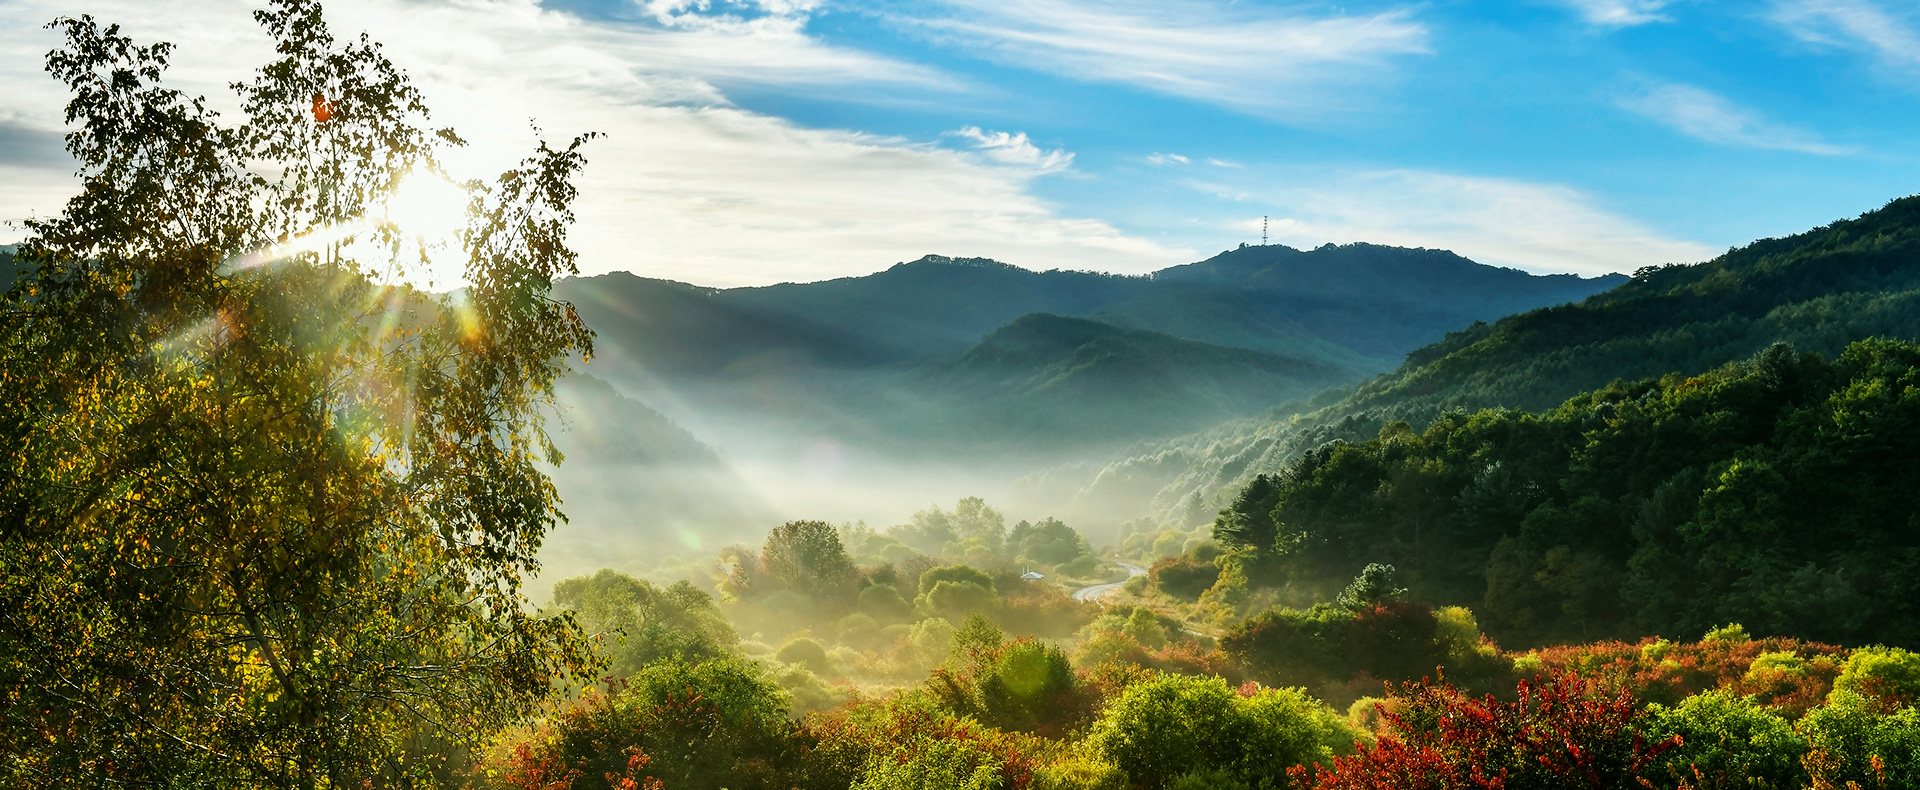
<point x="428" y="207"/>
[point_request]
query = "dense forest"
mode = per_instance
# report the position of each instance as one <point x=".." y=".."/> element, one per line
<point x="1818" y="291"/>
<point x="271" y="518"/>
<point x="1771" y="492"/>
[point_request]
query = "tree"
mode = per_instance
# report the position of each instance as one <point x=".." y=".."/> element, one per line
<point x="807" y="557"/>
<point x="1373" y="586"/>
<point x="642" y="623"/>
<point x="265" y="518"/>
<point x="1050" y="541"/>
<point x="971" y="522"/>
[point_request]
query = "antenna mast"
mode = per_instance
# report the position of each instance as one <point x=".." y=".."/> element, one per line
<point x="1263" y="231"/>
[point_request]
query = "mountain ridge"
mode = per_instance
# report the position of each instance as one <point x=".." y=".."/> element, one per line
<point x="1818" y="290"/>
<point x="844" y="356"/>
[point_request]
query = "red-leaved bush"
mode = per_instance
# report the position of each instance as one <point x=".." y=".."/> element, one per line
<point x="1791" y="676"/>
<point x="1562" y="732"/>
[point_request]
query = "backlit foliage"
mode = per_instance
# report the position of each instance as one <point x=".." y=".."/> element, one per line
<point x="265" y="518"/>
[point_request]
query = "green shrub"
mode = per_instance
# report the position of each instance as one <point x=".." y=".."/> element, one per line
<point x="806" y="652"/>
<point x="936" y="765"/>
<point x="1889" y="674"/>
<point x="1183" y="578"/>
<point x="1169" y="726"/>
<point x="1851" y="733"/>
<point x="1208" y="779"/>
<point x="1727" y="737"/>
<point x="1080" y="567"/>
<point x="858" y="629"/>
<point x="930" y="641"/>
<point x="1145" y="628"/>
<point x="883" y="603"/>
<point x="961" y="574"/>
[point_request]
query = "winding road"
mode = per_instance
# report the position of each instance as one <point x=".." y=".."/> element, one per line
<point x="1095" y="592"/>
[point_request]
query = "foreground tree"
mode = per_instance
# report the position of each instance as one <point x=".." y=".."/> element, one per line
<point x="264" y="520"/>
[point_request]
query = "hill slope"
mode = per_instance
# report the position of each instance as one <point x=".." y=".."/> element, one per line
<point x="1055" y="377"/>
<point x="1818" y="290"/>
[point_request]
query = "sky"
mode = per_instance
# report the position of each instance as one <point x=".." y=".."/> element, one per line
<point x="757" y="141"/>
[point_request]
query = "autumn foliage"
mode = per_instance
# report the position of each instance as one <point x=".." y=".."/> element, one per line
<point x="1562" y="732"/>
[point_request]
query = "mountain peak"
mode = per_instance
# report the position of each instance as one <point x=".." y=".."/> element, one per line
<point x="971" y="263"/>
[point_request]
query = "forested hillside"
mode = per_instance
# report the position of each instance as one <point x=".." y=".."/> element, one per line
<point x="1049" y="377"/>
<point x="1774" y="492"/>
<point x="1818" y="291"/>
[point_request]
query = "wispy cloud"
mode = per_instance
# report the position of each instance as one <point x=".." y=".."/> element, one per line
<point x="1014" y="149"/>
<point x="1713" y="118"/>
<point x="1620" y="13"/>
<point x="1265" y="62"/>
<point x="1166" y="159"/>
<point x="684" y="185"/>
<point x="1888" y="36"/>
<point x="1533" y="226"/>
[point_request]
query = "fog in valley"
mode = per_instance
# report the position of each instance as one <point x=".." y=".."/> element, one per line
<point x="708" y="416"/>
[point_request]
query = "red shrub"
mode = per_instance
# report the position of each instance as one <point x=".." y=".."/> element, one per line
<point x="1665" y="672"/>
<point x="1566" y="732"/>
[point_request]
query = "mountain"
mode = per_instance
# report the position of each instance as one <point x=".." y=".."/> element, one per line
<point x="1049" y="376"/>
<point x="1346" y="304"/>
<point x="1372" y="301"/>
<point x="1818" y="291"/>
<point x="872" y="359"/>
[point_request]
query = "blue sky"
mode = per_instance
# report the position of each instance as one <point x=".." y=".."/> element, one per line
<point x="770" y="140"/>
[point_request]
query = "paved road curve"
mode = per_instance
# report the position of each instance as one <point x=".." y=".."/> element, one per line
<point x="1095" y="592"/>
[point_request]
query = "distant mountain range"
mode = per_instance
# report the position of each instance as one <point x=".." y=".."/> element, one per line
<point x="1818" y="290"/>
<point x="972" y="352"/>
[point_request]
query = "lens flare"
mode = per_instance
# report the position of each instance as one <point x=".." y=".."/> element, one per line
<point x="427" y="206"/>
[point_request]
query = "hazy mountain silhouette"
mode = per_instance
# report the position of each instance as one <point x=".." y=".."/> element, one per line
<point x="1051" y="377"/>
<point x="1358" y="306"/>
<point x="918" y="353"/>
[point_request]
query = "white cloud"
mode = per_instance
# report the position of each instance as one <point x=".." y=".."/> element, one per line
<point x="1620" y="13"/>
<point x="1223" y="163"/>
<point x="1167" y="159"/>
<point x="1532" y="226"/>
<point x="1854" y="24"/>
<point x="1016" y="150"/>
<point x="684" y="185"/>
<point x="1706" y="116"/>
<point x="1262" y="62"/>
